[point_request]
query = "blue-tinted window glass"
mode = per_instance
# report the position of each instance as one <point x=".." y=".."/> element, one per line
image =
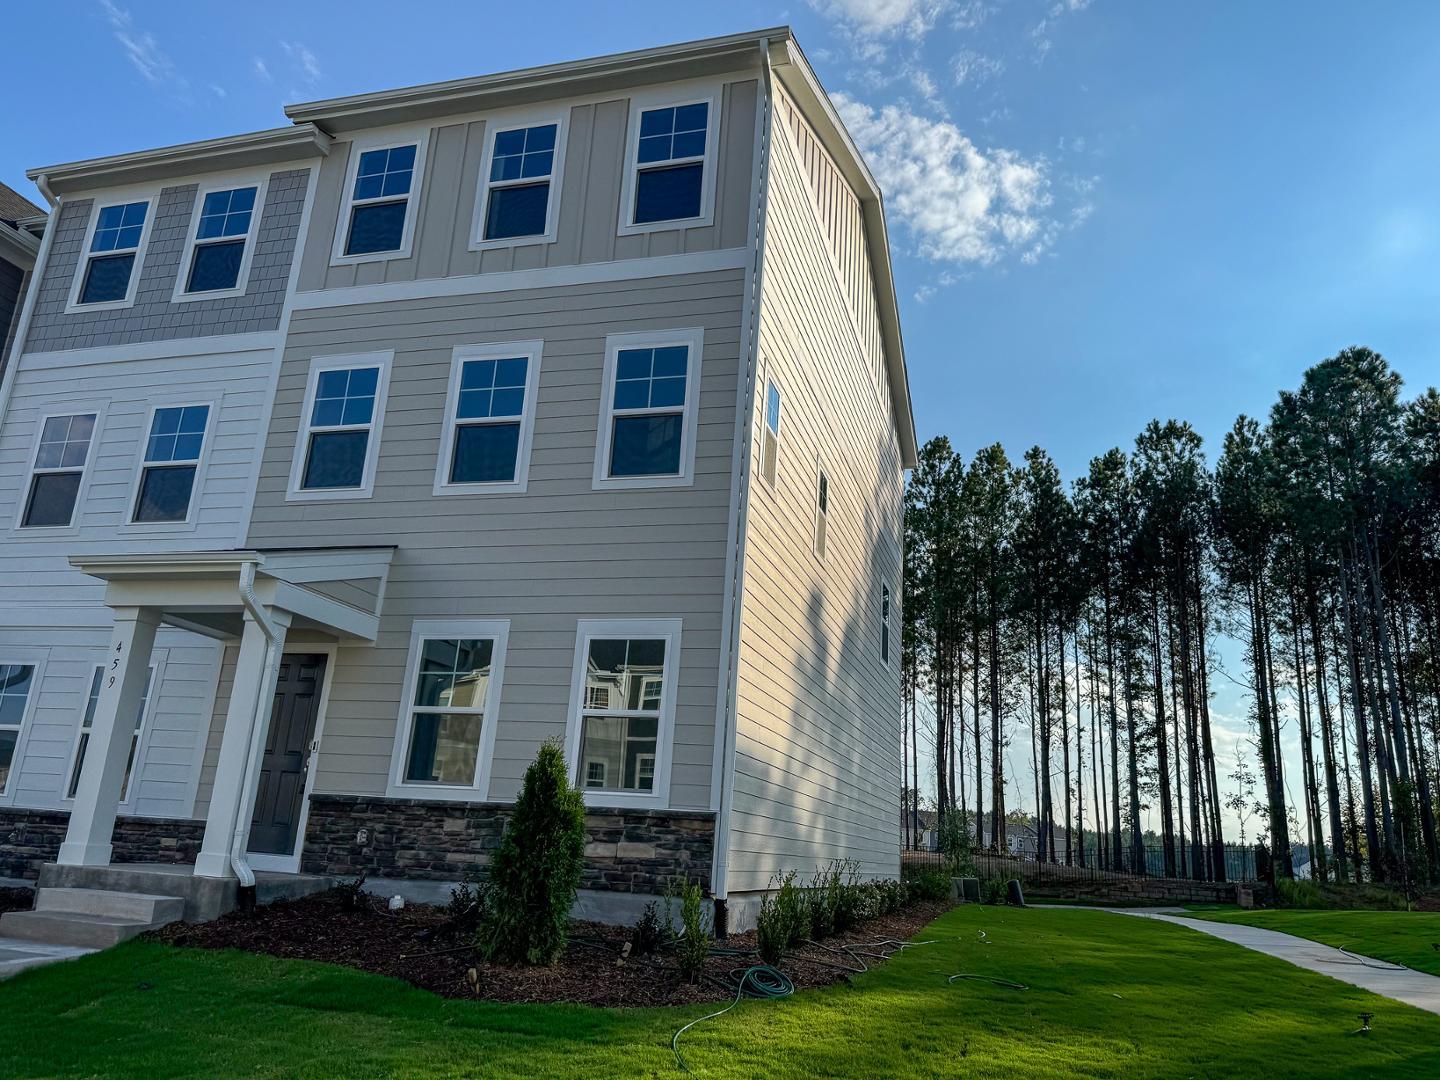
<point x="177" y="434"/>
<point x="485" y="453"/>
<point x="336" y="459"/>
<point x="772" y="408"/>
<point x="517" y="211"/>
<point x="673" y="133"/>
<point x="118" y="228"/>
<point x="383" y="173"/>
<point x="226" y="213"/>
<point x="376" y="227"/>
<point x="65" y="442"/>
<point x="647" y="445"/>
<point x="344" y="396"/>
<point x="165" y="493"/>
<point x="215" y="266"/>
<point x="107" y="278"/>
<point x="651" y="378"/>
<point x="491" y="388"/>
<point x="523" y="153"/>
<point x="668" y="194"/>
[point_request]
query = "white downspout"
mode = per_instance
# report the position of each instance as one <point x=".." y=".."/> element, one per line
<point x="238" y="862"/>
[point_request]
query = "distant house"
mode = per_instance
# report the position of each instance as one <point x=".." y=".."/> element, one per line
<point x="21" y="225"/>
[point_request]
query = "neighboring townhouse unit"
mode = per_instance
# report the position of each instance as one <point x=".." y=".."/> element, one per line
<point x="21" y="225"/>
<point x="346" y="463"/>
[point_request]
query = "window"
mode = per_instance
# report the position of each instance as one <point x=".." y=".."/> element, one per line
<point x="171" y="459"/>
<point x="625" y="694"/>
<point x="89" y="719"/>
<point x="452" y="695"/>
<point x="669" y="151"/>
<point x="522" y="167"/>
<point x="60" y="460"/>
<point x="770" y="436"/>
<point x="15" y="683"/>
<point x="822" y="513"/>
<point x="110" y="267"/>
<point x="490" y="414"/>
<point x="885" y="625"/>
<point x="647" y="427"/>
<point x="340" y="434"/>
<point x="376" y="218"/>
<point x="217" y="255"/>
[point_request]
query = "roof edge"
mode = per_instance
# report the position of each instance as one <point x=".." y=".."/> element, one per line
<point x="272" y="146"/>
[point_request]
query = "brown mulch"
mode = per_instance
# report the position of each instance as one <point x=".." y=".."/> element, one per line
<point x="416" y="945"/>
<point x="16" y="899"/>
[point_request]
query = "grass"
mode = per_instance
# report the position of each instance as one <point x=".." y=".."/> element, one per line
<point x="1401" y="937"/>
<point x="1111" y="996"/>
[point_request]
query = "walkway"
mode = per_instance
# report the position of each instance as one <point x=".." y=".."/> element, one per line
<point x="1389" y="980"/>
<point x="17" y="955"/>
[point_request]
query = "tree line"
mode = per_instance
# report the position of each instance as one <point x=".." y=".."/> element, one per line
<point x="1091" y="614"/>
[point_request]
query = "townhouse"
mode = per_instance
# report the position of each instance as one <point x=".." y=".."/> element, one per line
<point x="346" y="462"/>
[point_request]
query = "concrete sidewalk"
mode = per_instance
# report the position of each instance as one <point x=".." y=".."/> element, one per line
<point x="17" y="955"/>
<point x="1379" y="977"/>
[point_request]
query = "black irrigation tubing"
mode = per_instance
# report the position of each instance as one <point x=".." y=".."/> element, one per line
<point x="1006" y="983"/>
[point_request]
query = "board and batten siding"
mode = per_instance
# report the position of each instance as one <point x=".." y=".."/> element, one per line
<point x="817" y="768"/>
<point x="544" y="558"/>
<point x="589" y="209"/>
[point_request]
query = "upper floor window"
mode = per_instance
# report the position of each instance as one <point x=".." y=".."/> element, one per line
<point x="171" y="459"/>
<point x="647" y="434"/>
<point x="822" y="513"/>
<point x="671" y="165"/>
<point x="220" y="247"/>
<point x="336" y="451"/>
<point x="516" y="200"/>
<point x="490" y="416"/>
<point x="770" y="437"/>
<point x="110" y="266"/>
<point x="626" y="673"/>
<point x="61" y="456"/>
<point x="15" y="683"/>
<point x="377" y="219"/>
<point x="87" y="721"/>
<point x="453" y="692"/>
<point x="885" y="624"/>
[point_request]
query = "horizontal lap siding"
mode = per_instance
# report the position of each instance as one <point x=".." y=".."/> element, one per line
<point x="818" y="739"/>
<point x="543" y="559"/>
<point x="587" y="228"/>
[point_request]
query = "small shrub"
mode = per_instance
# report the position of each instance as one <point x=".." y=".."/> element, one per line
<point x="1297" y="893"/>
<point x="468" y="901"/>
<point x="535" y="872"/>
<point x="994" y="891"/>
<point x="867" y="902"/>
<point x="649" y="932"/>
<point x="954" y="842"/>
<point x="924" y="883"/>
<point x="784" y="918"/>
<point x="824" y="901"/>
<point x="848" y="896"/>
<point x="351" y="894"/>
<point x="693" y="944"/>
<point x="891" y="896"/>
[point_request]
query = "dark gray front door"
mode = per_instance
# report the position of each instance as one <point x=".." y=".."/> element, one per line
<point x="287" y="750"/>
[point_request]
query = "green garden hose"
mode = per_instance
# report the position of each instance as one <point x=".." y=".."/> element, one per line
<point x="756" y="981"/>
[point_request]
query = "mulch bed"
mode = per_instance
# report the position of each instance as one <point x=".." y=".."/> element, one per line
<point x="416" y="945"/>
<point x="16" y="899"/>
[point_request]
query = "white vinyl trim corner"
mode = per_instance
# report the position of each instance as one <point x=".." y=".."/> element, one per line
<point x="531" y="352"/>
<point x="422" y="630"/>
<point x="388" y="140"/>
<point x="318" y="365"/>
<point x="587" y="630"/>
<point x="261" y="183"/>
<point x="510" y="121"/>
<point x="665" y="98"/>
<point x="207" y="440"/>
<point x="82" y="263"/>
<point x="693" y="339"/>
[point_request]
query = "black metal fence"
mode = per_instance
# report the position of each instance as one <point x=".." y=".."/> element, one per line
<point x="1242" y="863"/>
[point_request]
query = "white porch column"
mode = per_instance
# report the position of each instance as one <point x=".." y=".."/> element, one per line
<point x="92" y="818"/>
<point x="241" y="741"/>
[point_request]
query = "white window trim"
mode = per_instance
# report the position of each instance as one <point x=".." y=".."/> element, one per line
<point x="505" y="350"/>
<point x="587" y="630"/>
<point x="151" y="199"/>
<point x="383" y="360"/>
<point x="132" y="787"/>
<point x="694" y="340"/>
<point x="420" y="139"/>
<point x="242" y="281"/>
<point x="34" y="658"/>
<point x="422" y="630"/>
<point x="23" y="500"/>
<point x="509" y="121"/>
<point x="664" y="99"/>
<point x="815" y="537"/>
<point x="887" y="630"/>
<point x="201" y="463"/>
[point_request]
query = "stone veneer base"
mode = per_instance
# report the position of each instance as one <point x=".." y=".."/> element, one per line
<point x="31" y="838"/>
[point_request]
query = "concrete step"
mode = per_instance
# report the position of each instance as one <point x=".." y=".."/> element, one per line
<point x="69" y="928"/>
<point x="149" y="908"/>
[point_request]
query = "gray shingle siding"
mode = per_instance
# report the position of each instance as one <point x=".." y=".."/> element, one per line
<point x="154" y="316"/>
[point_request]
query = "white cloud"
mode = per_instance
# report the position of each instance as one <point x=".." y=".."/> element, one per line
<point x="972" y="68"/>
<point x="261" y="69"/>
<point x="304" y="60"/>
<point x="141" y="48"/>
<point x="883" y="18"/>
<point x="957" y="203"/>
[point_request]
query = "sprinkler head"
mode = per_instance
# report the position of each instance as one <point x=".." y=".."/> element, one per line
<point x="1365" y="1021"/>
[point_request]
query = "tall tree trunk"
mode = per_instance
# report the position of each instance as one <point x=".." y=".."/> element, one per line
<point x="1362" y="732"/>
<point x="1162" y="752"/>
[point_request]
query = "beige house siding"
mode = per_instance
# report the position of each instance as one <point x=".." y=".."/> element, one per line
<point x="543" y="559"/>
<point x="589" y="210"/>
<point x="817" y="769"/>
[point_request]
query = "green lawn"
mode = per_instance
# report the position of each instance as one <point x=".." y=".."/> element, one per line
<point x="1111" y="996"/>
<point x="1401" y="937"/>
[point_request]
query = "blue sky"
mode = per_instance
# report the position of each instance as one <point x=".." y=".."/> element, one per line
<point x="1102" y="212"/>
